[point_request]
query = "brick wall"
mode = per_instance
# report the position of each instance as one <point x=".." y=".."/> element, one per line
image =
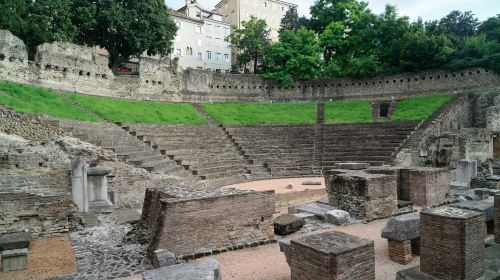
<point x="42" y="215"/>
<point x="332" y="256"/>
<point x="451" y="243"/>
<point x="199" y="225"/>
<point x="426" y="186"/>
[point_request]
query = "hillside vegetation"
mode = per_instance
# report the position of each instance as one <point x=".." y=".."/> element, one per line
<point x="35" y="100"/>
<point x="419" y="108"/>
<point x="134" y="111"/>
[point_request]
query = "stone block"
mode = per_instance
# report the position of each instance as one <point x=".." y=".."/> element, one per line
<point x="482" y="193"/>
<point x="352" y="165"/>
<point x="424" y="186"/>
<point x="163" y="258"/>
<point x="332" y="256"/>
<point x="285" y="248"/>
<point x="497" y="218"/>
<point x="184" y="271"/>
<point x="414" y="273"/>
<point x="451" y="243"/>
<point x="311" y="183"/>
<point x="213" y="265"/>
<point x="403" y="227"/>
<point x="319" y="210"/>
<point x="287" y="223"/>
<point x="16" y="259"/>
<point x="485" y="207"/>
<point x="337" y="217"/>
<point x="18" y="240"/>
<point x="466" y="171"/>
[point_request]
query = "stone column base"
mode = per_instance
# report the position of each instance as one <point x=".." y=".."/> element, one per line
<point x="400" y="251"/>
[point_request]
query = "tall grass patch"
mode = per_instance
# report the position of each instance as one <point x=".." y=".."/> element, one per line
<point x="262" y="113"/>
<point x="145" y="112"/>
<point x="35" y="100"/>
<point x="348" y="111"/>
<point x="419" y="108"/>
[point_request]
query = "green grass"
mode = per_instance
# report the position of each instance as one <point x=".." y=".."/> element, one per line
<point x="145" y="112"/>
<point x="348" y="111"/>
<point x="419" y="108"/>
<point x="34" y="100"/>
<point x="262" y="113"/>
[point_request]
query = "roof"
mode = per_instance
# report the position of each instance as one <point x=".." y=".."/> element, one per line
<point x="279" y="1"/>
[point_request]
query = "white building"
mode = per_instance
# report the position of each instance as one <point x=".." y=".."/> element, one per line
<point x="200" y="40"/>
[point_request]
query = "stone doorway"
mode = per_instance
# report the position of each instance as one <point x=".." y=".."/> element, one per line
<point x="384" y="110"/>
<point x="496" y="147"/>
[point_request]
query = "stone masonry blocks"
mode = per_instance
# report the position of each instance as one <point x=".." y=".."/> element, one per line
<point x="425" y="186"/>
<point x="400" y="251"/>
<point x="332" y="256"/>
<point x="497" y="218"/>
<point x="452" y="243"/>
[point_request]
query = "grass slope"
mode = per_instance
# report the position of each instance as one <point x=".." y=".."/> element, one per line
<point x="145" y="112"/>
<point x="348" y="111"/>
<point x="419" y="108"/>
<point x="262" y="113"/>
<point x="34" y="100"/>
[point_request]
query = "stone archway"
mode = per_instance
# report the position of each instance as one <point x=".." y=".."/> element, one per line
<point x="384" y="110"/>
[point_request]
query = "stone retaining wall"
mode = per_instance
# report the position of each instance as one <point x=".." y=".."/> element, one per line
<point x="69" y="67"/>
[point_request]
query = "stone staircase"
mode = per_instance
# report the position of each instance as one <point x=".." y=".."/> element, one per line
<point x="128" y="148"/>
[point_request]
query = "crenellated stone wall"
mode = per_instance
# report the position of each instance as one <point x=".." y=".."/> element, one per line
<point x="69" y="67"/>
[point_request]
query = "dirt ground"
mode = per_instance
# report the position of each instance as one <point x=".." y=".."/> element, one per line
<point x="48" y="257"/>
<point x="268" y="263"/>
<point x="280" y="185"/>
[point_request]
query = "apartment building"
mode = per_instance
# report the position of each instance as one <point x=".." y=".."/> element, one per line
<point x="235" y="12"/>
<point x="199" y="42"/>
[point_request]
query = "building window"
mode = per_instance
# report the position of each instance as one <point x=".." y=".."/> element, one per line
<point x="209" y="55"/>
<point x="209" y="41"/>
<point x="226" y="31"/>
<point x="199" y="56"/>
<point x="178" y="52"/>
<point x="226" y="57"/>
<point x="282" y="9"/>
<point x="217" y="29"/>
<point x="198" y="29"/>
<point x="189" y="51"/>
<point x="264" y="4"/>
<point x="218" y="56"/>
<point x="179" y="24"/>
<point x="209" y="28"/>
<point x="274" y="6"/>
<point x="199" y="42"/>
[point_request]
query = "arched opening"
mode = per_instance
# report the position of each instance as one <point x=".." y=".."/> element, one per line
<point x="384" y="110"/>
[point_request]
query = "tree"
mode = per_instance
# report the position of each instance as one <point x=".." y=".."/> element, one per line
<point x="297" y="56"/>
<point x="13" y="16"/>
<point x="491" y="28"/>
<point x="420" y="50"/>
<point x="126" y="29"/>
<point x="458" y="25"/>
<point x="323" y="12"/>
<point x="252" y="42"/>
<point x="291" y="21"/>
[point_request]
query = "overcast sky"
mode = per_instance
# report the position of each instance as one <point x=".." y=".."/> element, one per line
<point x="427" y="9"/>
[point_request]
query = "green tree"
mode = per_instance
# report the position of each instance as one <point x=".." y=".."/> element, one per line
<point x="323" y="12"/>
<point x="126" y="29"/>
<point x="297" y="56"/>
<point x="491" y="28"/>
<point x="291" y="21"/>
<point x="13" y="16"/>
<point x="423" y="51"/>
<point x="252" y="42"/>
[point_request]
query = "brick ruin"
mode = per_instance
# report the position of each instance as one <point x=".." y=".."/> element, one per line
<point x="195" y="224"/>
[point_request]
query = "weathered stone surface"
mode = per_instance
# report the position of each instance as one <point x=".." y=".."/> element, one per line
<point x="485" y="207"/>
<point x="331" y="256"/>
<point x="285" y="248"/>
<point x="163" y="258"/>
<point x="337" y="217"/>
<point x="497" y="218"/>
<point x="98" y="171"/>
<point x="472" y="197"/>
<point x="317" y="209"/>
<point x="465" y="172"/>
<point x="400" y="251"/>
<point x="12" y="241"/>
<point x="352" y="165"/>
<point x="180" y="271"/>
<point x="311" y="183"/>
<point x="414" y="273"/>
<point x="287" y="223"/>
<point x="451" y="243"/>
<point x="16" y="259"/>
<point x="404" y="227"/>
<point x="482" y="193"/>
<point x="213" y="265"/>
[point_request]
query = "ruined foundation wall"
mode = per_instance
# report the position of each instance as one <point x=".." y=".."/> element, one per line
<point x="69" y="67"/>
<point x="208" y="224"/>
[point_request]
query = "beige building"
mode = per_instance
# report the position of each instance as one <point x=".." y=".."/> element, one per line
<point x="199" y="42"/>
<point x="235" y="12"/>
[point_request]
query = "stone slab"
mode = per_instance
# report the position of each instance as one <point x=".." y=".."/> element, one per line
<point x="287" y="223"/>
<point x="337" y="217"/>
<point x="16" y="259"/>
<point x="180" y="272"/>
<point x="213" y="265"/>
<point x="18" y="240"/>
<point x="404" y="227"/>
<point x="311" y="183"/>
<point x="128" y="217"/>
<point x="98" y="171"/>
<point x="15" y="253"/>
<point x="479" y="206"/>
<point x="352" y="165"/>
<point x="285" y="248"/>
<point x="319" y="210"/>
<point x="162" y="258"/>
<point x="333" y="242"/>
<point x="414" y="273"/>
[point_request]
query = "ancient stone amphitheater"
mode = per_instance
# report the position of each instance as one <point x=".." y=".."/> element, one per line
<point x="386" y="199"/>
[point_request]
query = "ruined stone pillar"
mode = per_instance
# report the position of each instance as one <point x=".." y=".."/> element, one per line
<point x="451" y="243"/>
<point x="98" y="190"/>
<point x="79" y="184"/>
<point x="497" y="218"/>
<point x="400" y="251"/>
<point x="332" y="256"/>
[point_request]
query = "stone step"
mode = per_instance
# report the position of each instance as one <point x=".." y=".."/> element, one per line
<point x="220" y="169"/>
<point x="138" y="155"/>
<point x="211" y="176"/>
<point x="319" y="210"/>
<point x="128" y="149"/>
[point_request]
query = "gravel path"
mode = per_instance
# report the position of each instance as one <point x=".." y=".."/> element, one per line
<point x="268" y="263"/>
<point x="48" y="257"/>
